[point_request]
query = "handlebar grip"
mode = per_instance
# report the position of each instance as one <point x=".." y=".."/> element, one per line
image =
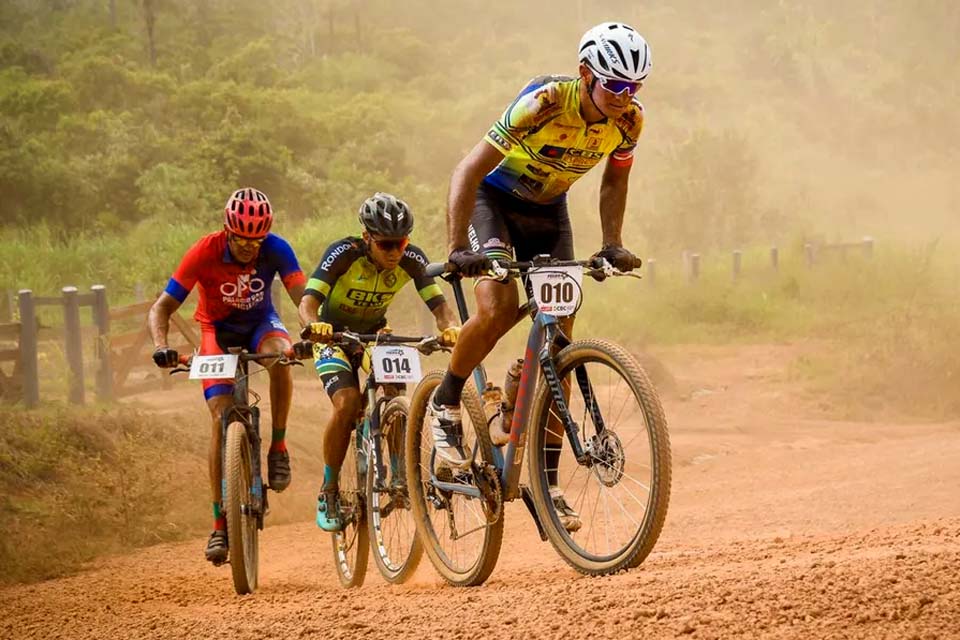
<point x="435" y="269"/>
<point x="184" y="359"/>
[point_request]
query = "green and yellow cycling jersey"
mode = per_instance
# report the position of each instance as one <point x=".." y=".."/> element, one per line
<point x="355" y="294"/>
<point x="547" y="145"/>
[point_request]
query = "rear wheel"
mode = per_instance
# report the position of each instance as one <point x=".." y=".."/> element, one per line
<point x="620" y="497"/>
<point x="351" y="545"/>
<point x="242" y="529"/>
<point x="393" y="531"/>
<point x="455" y="529"/>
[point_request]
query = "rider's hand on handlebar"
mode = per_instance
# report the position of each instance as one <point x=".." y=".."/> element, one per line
<point x="320" y="331"/>
<point x="165" y="357"/>
<point x="470" y="263"/>
<point x="449" y="336"/>
<point x="619" y="258"/>
<point x="303" y="349"/>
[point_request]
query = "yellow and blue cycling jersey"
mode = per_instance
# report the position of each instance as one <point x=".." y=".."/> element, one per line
<point x="547" y="145"/>
<point x="355" y="294"/>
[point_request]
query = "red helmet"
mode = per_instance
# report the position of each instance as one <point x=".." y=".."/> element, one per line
<point x="248" y="213"/>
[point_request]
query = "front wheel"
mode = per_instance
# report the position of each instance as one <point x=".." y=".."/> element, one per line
<point x="396" y="548"/>
<point x="351" y="545"/>
<point x="603" y="513"/>
<point x="455" y="528"/>
<point x="242" y="524"/>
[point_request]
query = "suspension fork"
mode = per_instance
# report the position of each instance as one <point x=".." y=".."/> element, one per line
<point x="553" y="338"/>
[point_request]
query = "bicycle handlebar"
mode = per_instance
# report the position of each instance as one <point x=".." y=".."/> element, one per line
<point x="436" y="269"/>
<point x="423" y="344"/>
<point x="286" y="357"/>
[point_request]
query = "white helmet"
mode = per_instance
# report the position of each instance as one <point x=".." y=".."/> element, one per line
<point x="615" y="50"/>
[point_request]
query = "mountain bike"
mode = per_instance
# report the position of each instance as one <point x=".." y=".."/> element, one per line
<point x="243" y="498"/>
<point x="597" y="434"/>
<point x="374" y="501"/>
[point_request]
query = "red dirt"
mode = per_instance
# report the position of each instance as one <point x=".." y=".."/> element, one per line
<point x="782" y="524"/>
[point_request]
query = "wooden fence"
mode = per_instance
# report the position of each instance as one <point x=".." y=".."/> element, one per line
<point x="116" y="354"/>
<point x="812" y="255"/>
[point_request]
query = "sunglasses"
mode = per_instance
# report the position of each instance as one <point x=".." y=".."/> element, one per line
<point x="392" y="244"/>
<point x="616" y="87"/>
<point x="240" y="241"/>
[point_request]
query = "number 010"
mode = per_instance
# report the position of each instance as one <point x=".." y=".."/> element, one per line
<point x="561" y="292"/>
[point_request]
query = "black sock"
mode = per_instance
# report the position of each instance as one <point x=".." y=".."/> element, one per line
<point x="448" y="393"/>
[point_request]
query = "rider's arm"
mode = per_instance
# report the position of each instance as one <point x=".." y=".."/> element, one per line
<point x="616" y="175"/>
<point x="158" y="320"/>
<point x="613" y="201"/>
<point x="287" y="266"/>
<point x="444" y="315"/>
<point x="335" y="261"/>
<point x="179" y="286"/>
<point x="468" y="175"/>
<point x="308" y="309"/>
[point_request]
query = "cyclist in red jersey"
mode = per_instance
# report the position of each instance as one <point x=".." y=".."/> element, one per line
<point x="234" y="269"/>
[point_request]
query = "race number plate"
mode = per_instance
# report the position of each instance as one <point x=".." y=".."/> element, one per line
<point x="223" y="366"/>
<point x="556" y="290"/>
<point x="396" y="364"/>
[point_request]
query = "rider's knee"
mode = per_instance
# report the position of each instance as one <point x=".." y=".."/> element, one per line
<point x="347" y="404"/>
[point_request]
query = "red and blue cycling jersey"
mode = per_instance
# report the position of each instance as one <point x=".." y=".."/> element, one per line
<point x="234" y="296"/>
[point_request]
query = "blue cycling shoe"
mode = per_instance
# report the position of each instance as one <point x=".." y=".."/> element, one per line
<point x="328" y="511"/>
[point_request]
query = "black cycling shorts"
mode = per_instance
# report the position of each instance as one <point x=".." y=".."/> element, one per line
<point x="504" y="227"/>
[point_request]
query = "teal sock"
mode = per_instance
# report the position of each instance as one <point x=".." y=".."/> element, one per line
<point x="331" y="476"/>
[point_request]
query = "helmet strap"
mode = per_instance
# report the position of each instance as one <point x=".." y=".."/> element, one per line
<point x="593" y="83"/>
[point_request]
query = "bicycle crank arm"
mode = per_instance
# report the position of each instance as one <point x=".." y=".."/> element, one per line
<point x="456" y="487"/>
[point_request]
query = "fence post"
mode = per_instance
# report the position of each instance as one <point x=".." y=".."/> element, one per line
<point x="867" y="246"/>
<point x="74" y="342"/>
<point x="737" y="259"/>
<point x="652" y="272"/>
<point x="6" y="307"/>
<point x="775" y="258"/>
<point x="138" y="292"/>
<point x="694" y="267"/>
<point x="28" y="349"/>
<point x="101" y="317"/>
<point x="808" y="251"/>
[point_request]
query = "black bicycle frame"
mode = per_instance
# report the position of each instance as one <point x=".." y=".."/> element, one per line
<point x="249" y="417"/>
<point x="544" y="340"/>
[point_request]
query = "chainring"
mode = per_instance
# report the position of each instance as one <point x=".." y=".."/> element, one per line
<point x="488" y="481"/>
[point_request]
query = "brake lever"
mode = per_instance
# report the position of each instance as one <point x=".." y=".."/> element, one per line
<point x="499" y="273"/>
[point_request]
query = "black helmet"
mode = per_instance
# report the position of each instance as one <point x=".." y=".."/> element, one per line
<point x="386" y="215"/>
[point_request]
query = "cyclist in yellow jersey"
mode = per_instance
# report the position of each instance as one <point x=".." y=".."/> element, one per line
<point x="508" y="200"/>
<point x="350" y="290"/>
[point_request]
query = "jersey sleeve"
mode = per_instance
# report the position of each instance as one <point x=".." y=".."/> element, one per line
<point x="536" y="105"/>
<point x="630" y="125"/>
<point x="415" y="263"/>
<point x="336" y="260"/>
<point x="285" y="262"/>
<point x="187" y="273"/>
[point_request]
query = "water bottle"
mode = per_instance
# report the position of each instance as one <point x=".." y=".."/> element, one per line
<point x="511" y="385"/>
<point x="492" y="399"/>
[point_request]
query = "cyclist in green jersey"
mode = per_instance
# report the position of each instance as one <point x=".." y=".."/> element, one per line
<point x="351" y="289"/>
<point x="508" y="199"/>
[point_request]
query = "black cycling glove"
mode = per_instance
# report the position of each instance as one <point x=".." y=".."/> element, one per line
<point x="470" y="263"/>
<point x="303" y="349"/>
<point x="619" y="258"/>
<point x="165" y="357"/>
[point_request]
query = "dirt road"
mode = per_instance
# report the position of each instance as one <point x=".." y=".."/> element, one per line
<point x="782" y="524"/>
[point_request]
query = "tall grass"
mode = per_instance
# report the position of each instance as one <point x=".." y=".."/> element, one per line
<point x="81" y="483"/>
